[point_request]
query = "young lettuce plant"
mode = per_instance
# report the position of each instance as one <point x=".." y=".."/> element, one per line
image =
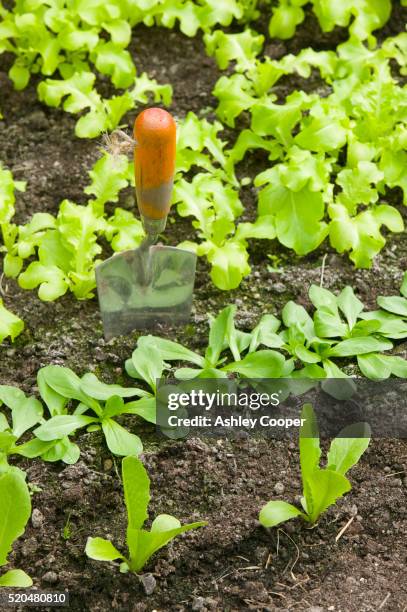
<point x="361" y="16"/>
<point x="222" y="333"/>
<point x="60" y="384"/>
<point x="215" y="206"/>
<point x="223" y="336"/>
<point x="8" y="230"/>
<point x="15" y="510"/>
<point x="302" y="343"/>
<point x="362" y="117"/>
<point x="10" y="325"/>
<point x="316" y="341"/>
<point x="339" y="329"/>
<point x="141" y="544"/>
<point x="363" y="332"/>
<point x="392" y="317"/>
<point x="321" y="486"/>
<point x="68" y="246"/>
<point x="26" y="412"/>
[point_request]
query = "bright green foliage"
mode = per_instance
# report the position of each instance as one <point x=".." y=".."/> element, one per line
<point x="106" y="402"/>
<point x="141" y="544"/>
<point x="241" y="48"/>
<point x="103" y="115"/>
<point x="321" y="486"/>
<point x="109" y="175"/>
<point x="362" y="16"/>
<point x="212" y="199"/>
<point x="297" y="215"/>
<point x="15" y="510"/>
<point x="333" y="153"/>
<point x="335" y="331"/>
<point x="66" y="247"/>
<point x="26" y="413"/>
<point x="340" y="328"/>
<point x="198" y="144"/>
<point x="192" y="16"/>
<point x="9" y="230"/>
<point x="215" y="207"/>
<point x="285" y="19"/>
<point x="69" y="38"/>
<point x="307" y="195"/>
<point x="392" y="323"/>
<point x="74" y="40"/>
<point x="222" y="335"/>
<point x="10" y="324"/>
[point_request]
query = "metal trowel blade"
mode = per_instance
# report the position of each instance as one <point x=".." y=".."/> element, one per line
<point x="142" y="288"/>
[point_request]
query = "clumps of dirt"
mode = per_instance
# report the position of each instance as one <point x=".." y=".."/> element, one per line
<point x="233" y="563"/>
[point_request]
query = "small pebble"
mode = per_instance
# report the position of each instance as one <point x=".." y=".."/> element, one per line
<point x="107" y="465"/>
<point x="37" y="518"/>
<point x="396" y="482"/>
<point x="279" y="488"/>
<point x="149" y="583"/>
<point x="50" y="577"/>
<point x="278" y="287"/>
<point x="198" y="603"/>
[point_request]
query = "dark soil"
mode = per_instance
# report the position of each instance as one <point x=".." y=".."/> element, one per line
<point x="232" y="564"/>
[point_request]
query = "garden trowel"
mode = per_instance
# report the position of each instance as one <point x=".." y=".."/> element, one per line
<point x="153" y="284"/>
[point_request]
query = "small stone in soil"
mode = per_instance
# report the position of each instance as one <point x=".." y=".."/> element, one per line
<point x="278" y="287"/>
<point x="198" y="603"/>
<point x="50" y="577"/>
<point x="149" y="583"/>
<point x="37" y="518"/>
<point x="107" y="465"/>
<point x="396" y="482"/>
<point x="279" y="488"/>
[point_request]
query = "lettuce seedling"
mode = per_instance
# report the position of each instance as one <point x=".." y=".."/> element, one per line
<point x="141" y="544"/>
<point x="361" y="16"/>
<point x="334" y="332"/>
<point x="76" y="92"/>
<point x="308" y="135"/>
<point x="15" y="510"/>
<point x="242" y="48"/>
<point x="392" y="323"/>
<point x="9" y="232"/>
<point x="10" y="324"/>
<point x="337" y="331"/>
<point x="215" y="205"/>
<point x="223" y="336"/>
<point x="364" y="335"/>
<point x="60" y="384"/>
<point x="321" y="486"/>
<point x="26" y="412"/>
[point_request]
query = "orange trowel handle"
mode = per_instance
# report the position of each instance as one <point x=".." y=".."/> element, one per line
<point x="154" y="162"/>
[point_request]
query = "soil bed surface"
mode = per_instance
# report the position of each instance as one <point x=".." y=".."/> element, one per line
<point x="233" y="563"/>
